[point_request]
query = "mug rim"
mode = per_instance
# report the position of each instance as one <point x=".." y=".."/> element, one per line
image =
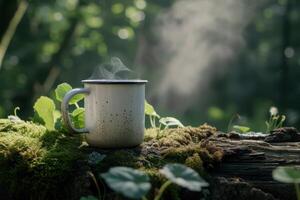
<point x="111" y="81"/>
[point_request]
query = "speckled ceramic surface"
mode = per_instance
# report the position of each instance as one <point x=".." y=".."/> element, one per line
<point x="114" y="113"/>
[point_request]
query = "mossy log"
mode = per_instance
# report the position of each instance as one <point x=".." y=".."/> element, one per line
<point x="247" y="165"/>
<point x="40" y="164"/>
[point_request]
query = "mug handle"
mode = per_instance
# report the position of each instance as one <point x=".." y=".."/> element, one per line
<point x="65" y="110"/>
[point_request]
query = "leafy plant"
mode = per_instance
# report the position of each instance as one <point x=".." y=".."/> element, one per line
<point x="88" y="198"/>
<point x="78" y="117"/>
<point x="129" y="182"/>
<point x="288" y="175"/>
<point x="164" y="122"/>
<point x="181" y="175"/>
<point x="275" y="120"/>
<point x="149" y="110"/>
<point x="61" y="91"/>
<point x="170" y="121"/>
<point x="15" y="117"/>
<point x="135" y="184"/>
<point x="241" y="129"/>
<point x="95" y="158"/>
<point x="47" y="113"/>
<point x="44" y="108"/>
<point x="184" y="176"/>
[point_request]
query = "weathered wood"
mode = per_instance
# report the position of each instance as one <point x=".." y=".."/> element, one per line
<point x="247" y="166"/>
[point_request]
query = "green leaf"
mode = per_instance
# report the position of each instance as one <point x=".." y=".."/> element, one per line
<point x="95" y="158"/>
<point x="61" y="126"/>
<point x="170" y="121"/>
<point x="241" y="129"/>
<point x="78" y="111"/>
<point x="56" y="115"/>
<point x="44" y="107"/>
<point x="61" y="91"/>
<point x="88" y="198"/>
<point x="287" y="174"/>
<point x="149" y="110"/>
<point x="129" y="182"/>
<point x="78" y="117"/>
<point x="184" y="176"/>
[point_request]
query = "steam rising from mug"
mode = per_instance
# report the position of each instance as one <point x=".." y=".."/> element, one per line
<point x="115" y="70"/>
<point x="198" y="40"/>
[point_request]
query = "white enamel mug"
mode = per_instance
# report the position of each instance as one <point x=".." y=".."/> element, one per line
<point x="114" y="112"/>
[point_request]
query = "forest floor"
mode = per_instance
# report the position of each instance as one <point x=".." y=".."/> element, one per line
<point x="40" y="164"/>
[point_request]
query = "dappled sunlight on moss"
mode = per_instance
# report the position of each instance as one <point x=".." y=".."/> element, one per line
<point x="184" y="144"/>
<point x="194" y="162"/>
<point x="40" y="164"/>
<point x="35" y="163"/>
<point x="22" y="127"/>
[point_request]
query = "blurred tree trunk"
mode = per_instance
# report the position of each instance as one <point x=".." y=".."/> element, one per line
<point x="7" y="9"/>
<point x="11" y="28"/>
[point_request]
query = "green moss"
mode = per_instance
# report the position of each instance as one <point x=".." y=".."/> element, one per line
<point x="24" y="128"/>
<point x="35" y="163"/>
<point x="38" y="164"/>
<point x="175" y="137"/>
<point x="183" y="144"/>
<point x="194" y="162"/>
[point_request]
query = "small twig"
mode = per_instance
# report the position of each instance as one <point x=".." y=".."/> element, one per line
<point x="297" y="191"/>
<point x="76" y="104"/>
<point x="144" y="198"/>
<point x="104" y="190"/>
<point x="162" y="189"/>
<point x="96" y="183"/>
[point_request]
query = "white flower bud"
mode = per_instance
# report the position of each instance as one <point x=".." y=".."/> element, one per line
<point x="273" y="111"/>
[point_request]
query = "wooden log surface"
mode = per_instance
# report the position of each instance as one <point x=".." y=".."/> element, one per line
<point x="247" y="165"/>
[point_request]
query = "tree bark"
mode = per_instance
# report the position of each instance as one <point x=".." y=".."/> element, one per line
<point x="247" y="165"/>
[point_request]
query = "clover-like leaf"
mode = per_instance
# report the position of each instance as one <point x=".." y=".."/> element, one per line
<point x="61" y="91"/>
<point x="90" y="197"/>
<point x="95" y="158"/>
<point x="287" y="174"/>
<point x="149" y="110"/>
<point x="78" y="117"/>
<point x="129" y="182"/>
<point x="170" y="121"/>
<point x="183" y="176"/>
<point x="241" y="129"/>
<point x="56" y="115"/>
<point x="45" y="107"/>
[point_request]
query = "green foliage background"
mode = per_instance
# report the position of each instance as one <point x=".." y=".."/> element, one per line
<point x="62" y="41"/>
